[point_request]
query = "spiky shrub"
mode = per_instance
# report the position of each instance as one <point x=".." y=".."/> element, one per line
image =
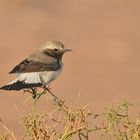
<point x="72" y="122"/>
<point x="62" y="123"/>
<point x="117" y="123"/>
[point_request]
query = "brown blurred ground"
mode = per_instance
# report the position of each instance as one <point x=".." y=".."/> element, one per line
<point x="104" y="66"/>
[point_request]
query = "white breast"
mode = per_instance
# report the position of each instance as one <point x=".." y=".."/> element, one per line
<point x="48" y="76"/>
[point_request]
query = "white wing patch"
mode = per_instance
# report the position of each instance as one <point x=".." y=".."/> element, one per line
<point x="28" y="78"/>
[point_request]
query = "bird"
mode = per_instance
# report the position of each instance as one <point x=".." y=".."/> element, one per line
<point x="40" y="68"/>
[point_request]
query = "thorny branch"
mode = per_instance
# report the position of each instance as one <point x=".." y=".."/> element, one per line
<point x="74" y="121"/>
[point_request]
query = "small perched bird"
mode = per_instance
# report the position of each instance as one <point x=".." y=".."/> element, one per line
<point x="40" y="68"/>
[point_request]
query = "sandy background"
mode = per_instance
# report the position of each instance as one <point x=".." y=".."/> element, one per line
<point x="104" y="34"/>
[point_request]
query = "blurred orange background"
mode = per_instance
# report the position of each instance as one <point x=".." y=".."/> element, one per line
<point x="104" y="66"/>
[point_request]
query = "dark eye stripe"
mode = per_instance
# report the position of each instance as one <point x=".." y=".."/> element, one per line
<point x="55" y="49"/>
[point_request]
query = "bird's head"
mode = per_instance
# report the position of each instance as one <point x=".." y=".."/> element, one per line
<point x="54" y="48"/>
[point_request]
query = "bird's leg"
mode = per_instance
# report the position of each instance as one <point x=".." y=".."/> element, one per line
<point x="34" y="92"/>
<point x="58" y="101"/>
<point x="27" y="90"/>
<point x="51" y="93"/>
<point x="41" y="93"/>
<point x="46" y="88"/>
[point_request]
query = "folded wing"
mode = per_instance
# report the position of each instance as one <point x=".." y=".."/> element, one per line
<point x="28" y="66"/>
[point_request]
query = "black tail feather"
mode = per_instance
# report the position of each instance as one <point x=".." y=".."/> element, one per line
<point x="20" y="85"/>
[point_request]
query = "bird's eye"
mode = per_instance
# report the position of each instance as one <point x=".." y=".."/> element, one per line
<point x="55" y="50"/>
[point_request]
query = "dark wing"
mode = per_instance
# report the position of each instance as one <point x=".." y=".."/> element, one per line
<point x="27" y="66"/>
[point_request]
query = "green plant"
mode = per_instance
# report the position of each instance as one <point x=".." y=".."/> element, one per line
<point x="72" y="122"/>
<point x="117" y="123"/>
